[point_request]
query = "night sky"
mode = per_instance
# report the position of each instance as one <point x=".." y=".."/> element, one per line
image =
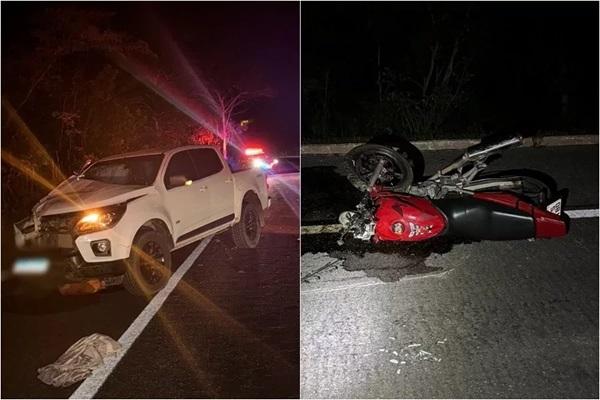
<point x="253" y="46"/>
<point x="523" y="58"/>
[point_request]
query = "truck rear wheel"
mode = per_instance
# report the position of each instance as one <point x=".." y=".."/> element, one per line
<point x="246" y="233"/>
<point x="148" y="267"/>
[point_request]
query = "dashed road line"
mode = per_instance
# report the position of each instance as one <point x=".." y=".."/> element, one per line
<point x="592" y="213"/>
<point x="94" y="382"/>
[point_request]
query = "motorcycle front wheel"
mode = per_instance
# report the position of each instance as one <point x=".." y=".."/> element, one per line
<point x="397" y="172"/>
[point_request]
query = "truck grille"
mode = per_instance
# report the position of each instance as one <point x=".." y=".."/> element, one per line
<point x="61" y="223"/>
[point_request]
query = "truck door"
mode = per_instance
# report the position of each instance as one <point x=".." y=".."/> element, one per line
<point x="185" y="197"/>
<point x="219" y="184"/>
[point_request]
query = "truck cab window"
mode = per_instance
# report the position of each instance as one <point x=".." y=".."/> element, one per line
<point x="207" y="162"/>
<point x="180" y="164"/>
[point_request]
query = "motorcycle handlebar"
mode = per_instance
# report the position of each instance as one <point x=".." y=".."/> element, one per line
<point x="480" y="150"/>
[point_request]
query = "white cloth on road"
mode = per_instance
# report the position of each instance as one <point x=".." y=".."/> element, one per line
<point x="79" y="361"/>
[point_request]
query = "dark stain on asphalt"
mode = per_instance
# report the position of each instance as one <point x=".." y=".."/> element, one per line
<point x="387" y="267"/>
<point x="387" y="261"/>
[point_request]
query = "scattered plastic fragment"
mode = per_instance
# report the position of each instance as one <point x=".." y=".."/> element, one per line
<point x="402" y="362"/>
<point x="395" y="353"/>
<point x="398" y="371"/>
<point x="442" y="341"/>
<point x="394" y="361"/>
<point x="413" y="345"/>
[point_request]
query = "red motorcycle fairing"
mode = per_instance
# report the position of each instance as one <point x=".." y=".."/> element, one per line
<point x="547" y="224"/>
<point x="402" y="217"/>
<point x="406" y="218"/>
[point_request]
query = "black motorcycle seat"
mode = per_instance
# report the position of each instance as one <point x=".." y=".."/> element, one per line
<point x="475" y="219"/>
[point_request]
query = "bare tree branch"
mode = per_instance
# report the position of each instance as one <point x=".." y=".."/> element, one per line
<point x="431" y="67"/>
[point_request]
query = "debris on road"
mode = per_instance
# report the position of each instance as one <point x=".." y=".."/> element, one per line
<point x="322" y="262"/>
<point x="332" y="264"/>
<point x="79" y="361"/>
<point x="411" y="353"/>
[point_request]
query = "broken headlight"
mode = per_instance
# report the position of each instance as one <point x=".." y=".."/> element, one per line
<point x="99" y="219"/>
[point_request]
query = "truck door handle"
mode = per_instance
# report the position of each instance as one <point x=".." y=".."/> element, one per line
<point x="203" y="188"/>
<point x="228" y="180"/>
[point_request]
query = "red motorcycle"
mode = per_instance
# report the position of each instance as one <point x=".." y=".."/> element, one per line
<point x="457" y="201"/>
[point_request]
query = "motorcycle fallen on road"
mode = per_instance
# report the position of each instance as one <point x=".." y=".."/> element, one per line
<point x="457" y="201"/>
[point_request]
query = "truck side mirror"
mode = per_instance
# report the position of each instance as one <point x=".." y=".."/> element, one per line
<point x="177" y="180"/>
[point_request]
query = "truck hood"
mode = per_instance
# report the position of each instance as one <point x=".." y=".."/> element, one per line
<point x="80" y="194"/>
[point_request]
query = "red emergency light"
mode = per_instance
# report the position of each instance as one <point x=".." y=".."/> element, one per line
<point x="254" y="151"/>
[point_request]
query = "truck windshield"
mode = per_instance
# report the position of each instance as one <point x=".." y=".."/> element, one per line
<point x="139" y="170"/>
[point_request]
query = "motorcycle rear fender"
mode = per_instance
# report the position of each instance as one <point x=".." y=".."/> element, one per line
<point x="547" y="224"/>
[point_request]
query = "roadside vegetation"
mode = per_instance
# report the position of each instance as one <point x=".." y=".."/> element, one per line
<point x="442" y="72"/>
<point x="74" y="88"/>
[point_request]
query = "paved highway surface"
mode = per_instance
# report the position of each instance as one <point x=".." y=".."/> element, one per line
<point x="514" y="319"/>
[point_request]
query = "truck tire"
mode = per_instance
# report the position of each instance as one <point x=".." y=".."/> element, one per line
<point x="246" y="233"/>
<point x="148" y="268"/>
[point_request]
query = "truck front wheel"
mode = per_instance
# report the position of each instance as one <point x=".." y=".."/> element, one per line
<point x="246" y="233"/>
<point x="148" y="267"/>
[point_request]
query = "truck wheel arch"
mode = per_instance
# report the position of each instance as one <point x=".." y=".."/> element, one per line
<point x="157" y="225"/>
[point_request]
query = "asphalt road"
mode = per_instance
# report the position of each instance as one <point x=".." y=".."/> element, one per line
<point x="229" y="329"/>
<point x="514" y="319"/>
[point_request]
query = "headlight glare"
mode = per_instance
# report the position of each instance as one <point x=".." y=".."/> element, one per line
<point x="97" y="220"/>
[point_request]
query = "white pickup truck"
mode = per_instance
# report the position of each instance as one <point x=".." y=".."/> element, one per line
<point x="119" y="219"/>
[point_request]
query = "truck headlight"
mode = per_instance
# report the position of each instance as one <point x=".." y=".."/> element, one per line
<point x="97" y="220"/>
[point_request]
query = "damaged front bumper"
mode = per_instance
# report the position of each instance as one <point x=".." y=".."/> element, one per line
<point x="51" y="259"/>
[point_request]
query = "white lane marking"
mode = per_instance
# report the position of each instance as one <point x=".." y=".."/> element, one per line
<point x="314" y="229"/>
<point x="335" y="228"/>
<point x="89" y="387"/>
<point x="582" y="213"/>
